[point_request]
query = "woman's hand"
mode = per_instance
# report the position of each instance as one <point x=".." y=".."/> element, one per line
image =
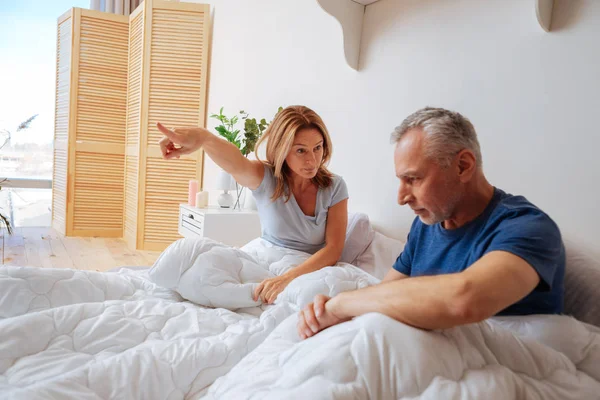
<point x="269" y="289"/>
<point x="317" y="316"/>
<point x="180" y="141"/>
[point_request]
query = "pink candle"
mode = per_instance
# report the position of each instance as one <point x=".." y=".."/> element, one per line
<point x="192" y="190"/>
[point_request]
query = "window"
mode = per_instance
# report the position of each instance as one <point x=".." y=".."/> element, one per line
<point x="27" y="79"/>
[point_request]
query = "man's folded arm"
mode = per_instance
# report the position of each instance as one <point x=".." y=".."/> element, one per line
<point x="496" y="281"/>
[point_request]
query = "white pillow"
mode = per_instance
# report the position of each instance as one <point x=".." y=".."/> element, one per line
<point x="582" y="292"/>
<point x="359" y="236"/>
<point x="380" y="256"/>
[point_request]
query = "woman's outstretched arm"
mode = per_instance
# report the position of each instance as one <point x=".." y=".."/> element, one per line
<point x="180" y="141"/>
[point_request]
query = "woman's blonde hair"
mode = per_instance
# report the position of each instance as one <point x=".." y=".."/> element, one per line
<point x="280" y="137"/>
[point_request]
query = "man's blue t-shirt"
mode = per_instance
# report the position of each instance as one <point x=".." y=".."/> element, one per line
<point x="509" y="223"/>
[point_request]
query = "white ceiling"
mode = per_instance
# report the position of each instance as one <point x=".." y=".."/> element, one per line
<point x="365" y="2"/>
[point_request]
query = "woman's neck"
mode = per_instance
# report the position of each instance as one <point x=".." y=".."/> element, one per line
<point x="299" y="184"/>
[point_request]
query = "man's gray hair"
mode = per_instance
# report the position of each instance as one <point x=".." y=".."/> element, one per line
<point x="447" y="134"/>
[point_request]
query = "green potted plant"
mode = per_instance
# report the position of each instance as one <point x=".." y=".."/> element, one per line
<point x="245" y="141"/>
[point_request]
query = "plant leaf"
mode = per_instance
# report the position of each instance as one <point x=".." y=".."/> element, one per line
<point x="25" y="124"/>
<point x="5" y="221"/>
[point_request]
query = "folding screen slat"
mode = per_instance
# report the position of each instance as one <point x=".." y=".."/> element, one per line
<point x="167" y="83"/>
<point x="134" y="97"/>
<point x="61" y="122"/>
<point x="91" y="124"/>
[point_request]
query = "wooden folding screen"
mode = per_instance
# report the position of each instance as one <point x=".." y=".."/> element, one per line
<point x="89" y="130"/>
<point x="166" y="82"/>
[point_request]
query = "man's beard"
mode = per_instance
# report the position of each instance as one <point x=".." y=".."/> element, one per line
<point x="453" y="200"/>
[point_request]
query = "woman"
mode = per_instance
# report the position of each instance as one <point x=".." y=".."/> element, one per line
<point x="301" y="204"/>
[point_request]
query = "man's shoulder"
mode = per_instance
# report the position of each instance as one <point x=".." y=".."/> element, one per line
<point x="517" y="210"/>
<point x="515" y="205"/>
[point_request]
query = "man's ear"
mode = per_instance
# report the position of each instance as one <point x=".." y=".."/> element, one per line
<point x="467" y="164"/>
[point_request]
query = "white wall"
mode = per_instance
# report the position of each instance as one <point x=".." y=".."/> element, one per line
<point x="534" y="97"/>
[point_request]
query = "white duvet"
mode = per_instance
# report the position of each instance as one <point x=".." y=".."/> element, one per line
<point x="133" y="335"/>
<point x="375" y="357"/>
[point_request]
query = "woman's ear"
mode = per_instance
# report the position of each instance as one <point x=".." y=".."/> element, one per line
<point x="467" y="164"/>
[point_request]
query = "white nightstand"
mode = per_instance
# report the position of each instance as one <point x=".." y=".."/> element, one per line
<point x="232" y="227"/>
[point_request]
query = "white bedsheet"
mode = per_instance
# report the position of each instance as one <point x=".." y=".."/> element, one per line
<point x="83" y="334"/>
<point x="375" y="357"/>
<point x="79" y="334"/>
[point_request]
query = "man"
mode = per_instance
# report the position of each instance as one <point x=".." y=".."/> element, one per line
<point x="473" y="252"/>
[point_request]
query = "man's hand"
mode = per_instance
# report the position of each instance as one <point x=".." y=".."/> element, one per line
<point x="180" y="141"/>
<point x="317" y="316"/>
<point x="269" y="289"/>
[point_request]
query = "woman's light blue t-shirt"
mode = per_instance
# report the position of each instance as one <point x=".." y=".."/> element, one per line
<point x="285" y="224"/>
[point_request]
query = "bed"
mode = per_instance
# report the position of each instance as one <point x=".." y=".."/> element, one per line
<point x="188" y="328"/>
